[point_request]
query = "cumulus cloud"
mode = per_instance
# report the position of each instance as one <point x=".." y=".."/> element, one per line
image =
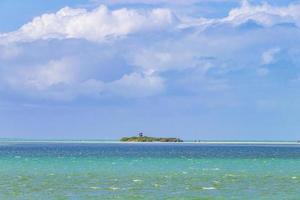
<point x="137" y="85"/>
<point x="96" y="25"/>
<point x="269" y="56"/>
<point x="157" y="60"/>
<point x="62" y="80"/>
<point x="102" y="23"/>
<point x="263" y="14"/>
<point x="154" y="2"/>
<point x="42" y="77"/>
<point x="185" y="53"/>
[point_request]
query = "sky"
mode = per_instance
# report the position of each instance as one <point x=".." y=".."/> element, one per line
<point x="194" y="69"/>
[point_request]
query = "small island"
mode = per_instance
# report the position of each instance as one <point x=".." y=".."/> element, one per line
<point x="142" y="138"/>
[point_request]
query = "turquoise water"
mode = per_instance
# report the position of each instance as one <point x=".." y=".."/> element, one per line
<point x="148" y="171"/>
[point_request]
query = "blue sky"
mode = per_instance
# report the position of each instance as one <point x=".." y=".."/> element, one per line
<point x="193" y="69"/>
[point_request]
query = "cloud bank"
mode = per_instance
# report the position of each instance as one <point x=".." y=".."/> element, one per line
<point x="99" y="24"/>
<point x="144" y="52"/>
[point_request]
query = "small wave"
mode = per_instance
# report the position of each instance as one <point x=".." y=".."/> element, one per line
<point x="114" y="188"/>
<point x="230" y="175"/>
<point x="211" y="169"/>
<point x="208" y="188"/>
<point x="156" y="185"/>
<point x="94" y="188"/>
<point x="137" y="180"/>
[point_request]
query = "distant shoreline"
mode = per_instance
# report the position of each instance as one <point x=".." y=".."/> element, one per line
<point x="120" y="142"/>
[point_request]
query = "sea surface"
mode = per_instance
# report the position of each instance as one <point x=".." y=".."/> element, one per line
<point x="69" y="171"/>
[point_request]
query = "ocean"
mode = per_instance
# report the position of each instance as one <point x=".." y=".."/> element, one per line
<point x="70" y="171"/>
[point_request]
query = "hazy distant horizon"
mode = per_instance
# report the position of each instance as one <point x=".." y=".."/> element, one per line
<point x="118" y="139"/>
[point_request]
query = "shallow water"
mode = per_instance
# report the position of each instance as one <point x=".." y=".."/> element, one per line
<point x="149" y="171"/>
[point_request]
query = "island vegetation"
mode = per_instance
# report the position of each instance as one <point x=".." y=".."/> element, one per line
<point x="142" y="138"/>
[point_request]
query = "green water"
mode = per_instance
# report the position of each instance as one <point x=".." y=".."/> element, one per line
<point x="133" y="173"/>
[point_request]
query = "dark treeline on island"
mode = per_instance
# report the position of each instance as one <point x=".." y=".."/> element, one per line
<point x="142" y="138"/>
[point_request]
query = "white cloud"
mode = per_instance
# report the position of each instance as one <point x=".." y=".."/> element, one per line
<point x="102" y="23"/>
<point x="268" y="56"/>
<point x="42" y="77"/>
<point x="96" y="25"/>
<point x="176" y="55"/>
<point x="142" y="66"/>
<point x="153" y="2"/>
<point x="62" y="80"/>
<point x="264" y="14"/>
<point x="137" y="85"/>
<point x="154" y="60"/>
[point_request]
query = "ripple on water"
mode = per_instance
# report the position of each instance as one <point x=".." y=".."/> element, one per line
<point x="137" y="180"/>
<point x="114" y="188"/>
<point x="208" y="188"/>
<point x="46" y="175"/>
<point x="95" y="188"/>
<point x="211" y="169"/>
